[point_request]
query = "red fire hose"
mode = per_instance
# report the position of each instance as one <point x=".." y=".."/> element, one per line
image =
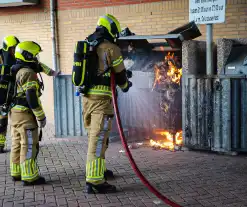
<point x="128" y="153"/>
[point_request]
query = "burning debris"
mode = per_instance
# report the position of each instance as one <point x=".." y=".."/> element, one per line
<point x="168" y="71"/>
<point x="135" y="145"/>
<point x="152" y="94"/>
<point x="174" y="73"/>
<point x="167" y="79"/>
<point x="170" y="141"/>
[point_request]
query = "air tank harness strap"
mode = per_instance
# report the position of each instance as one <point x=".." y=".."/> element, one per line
<point x="22" y="102"/>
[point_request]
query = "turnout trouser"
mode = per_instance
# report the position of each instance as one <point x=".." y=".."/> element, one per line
<point x="25" y="139"/>
<point x="97" y="115"/>
<point x="3" y="129"/>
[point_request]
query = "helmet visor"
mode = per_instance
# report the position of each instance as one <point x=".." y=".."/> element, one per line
<point x="37" y="58"/>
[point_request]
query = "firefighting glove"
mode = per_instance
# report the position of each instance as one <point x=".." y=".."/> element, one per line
<point x="129" y="74"/>
<point x="128" y="87"/>
<point x="56" y="73"/>
<point x="42" y="123"/>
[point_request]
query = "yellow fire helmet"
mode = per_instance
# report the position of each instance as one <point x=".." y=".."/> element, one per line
<point x="10" y="41"/>
<point x="27" y="51"/>
<point x="111" y="24"/>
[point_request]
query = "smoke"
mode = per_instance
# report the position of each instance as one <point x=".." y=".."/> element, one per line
<point x="128" y="63"/>
<point x="146" y="108"/>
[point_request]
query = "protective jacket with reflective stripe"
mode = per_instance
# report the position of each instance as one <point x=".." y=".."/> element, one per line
<point x="110" y="56"/>
<point x="28" y="93"/>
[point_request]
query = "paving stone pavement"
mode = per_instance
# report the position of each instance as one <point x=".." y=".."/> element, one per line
<point x="189" y="178"/>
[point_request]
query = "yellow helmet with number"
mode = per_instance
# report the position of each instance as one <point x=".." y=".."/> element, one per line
<point x="10" y="41"/>
<point x="111" y="24"/>
<point x="27" y="51"/>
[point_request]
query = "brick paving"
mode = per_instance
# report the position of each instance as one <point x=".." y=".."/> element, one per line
<point x="189" y="178"/>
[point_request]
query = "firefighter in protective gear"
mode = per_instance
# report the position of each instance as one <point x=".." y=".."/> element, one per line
<point x="97" y="104"/>
<point x="27" y="115"/>
<point x="7" y="57"/>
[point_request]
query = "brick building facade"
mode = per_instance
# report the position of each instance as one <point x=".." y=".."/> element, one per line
<point x="77" y="18"/>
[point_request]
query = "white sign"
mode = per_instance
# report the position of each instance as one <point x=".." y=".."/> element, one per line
<point x="207" y="11"/>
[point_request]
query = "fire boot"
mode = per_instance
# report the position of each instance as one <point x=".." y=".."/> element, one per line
<point x="101" y="188"/>
<point x="39" y="181"/>
<point x="1" y="149"/>
<point x="108" y="174"/>
<point x="16" y="179"/>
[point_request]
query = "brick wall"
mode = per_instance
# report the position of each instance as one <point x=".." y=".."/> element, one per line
<point x="36" y="27"/>
<point x="44" y="5"/>
<point x="145" y="18"/>
<point x="33" y="23"/>
<point x="75" y="4"/>
<point x="149" y="18"/>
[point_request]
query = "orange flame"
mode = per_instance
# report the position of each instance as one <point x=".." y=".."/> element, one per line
<point x="173" y="72"/>
<point x="170" y="140"/>
<point x="157" y="76"/>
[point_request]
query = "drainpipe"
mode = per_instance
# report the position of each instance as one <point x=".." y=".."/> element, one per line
<point x="54" y="34"/>
<point x="55" y="59"/>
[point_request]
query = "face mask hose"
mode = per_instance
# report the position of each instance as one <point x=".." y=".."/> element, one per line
<point x="128" y="153"/>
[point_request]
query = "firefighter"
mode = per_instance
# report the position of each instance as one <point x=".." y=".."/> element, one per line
<point x="27" y="115"/>
<point x="7" y="57"/>
<point x="97" y="104"/>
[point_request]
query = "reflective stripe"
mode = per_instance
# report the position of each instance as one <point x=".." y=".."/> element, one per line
<point x="38" y="113"/>
<point x="85" y="48"/>
<point x="15" y="170"/>
<point x="95" y="170"/>
<point x="108" y="19"/>
<point x="124" y="86"/>
<point x="19" y="92"/>
<point x="2" y="70"/>
<point x="117" y="61"/>
<point x="29" y="85"/>
<point x="76" y="47"/>
<point x="46" y="69"/>
<point x="100" y="93"/>
<point x="102" y="136"/>
<point x="20" y="108"/>
<point x="29" y="144"/>
<point x="107" y="74"/>
<point x="100" y="90"/>
<point x="29" y="170"/>
<point x="2" y="139"/>
<point x="84" y="64"/>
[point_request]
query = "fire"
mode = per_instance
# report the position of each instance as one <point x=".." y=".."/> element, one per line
<point x="173" y="73"/>
<point x="168" y="76"/>
<point x="157" y="76"/>
<point x="170" y="140"/>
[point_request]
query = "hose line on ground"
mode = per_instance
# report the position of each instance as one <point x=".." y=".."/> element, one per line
<point x="128" y="153"/>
